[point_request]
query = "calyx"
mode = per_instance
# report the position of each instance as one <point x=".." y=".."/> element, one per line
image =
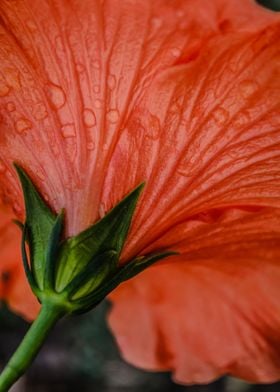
<point x="77" y="273"/>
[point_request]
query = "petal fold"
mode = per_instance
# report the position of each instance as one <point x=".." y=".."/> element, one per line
<point x="213" y="310"/>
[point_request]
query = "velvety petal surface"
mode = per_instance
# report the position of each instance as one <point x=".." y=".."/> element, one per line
<point x="98" y="96"/>
<point x="206" y="135"/>
<point x="212" y="310"/>
<point x="74" y="73"/>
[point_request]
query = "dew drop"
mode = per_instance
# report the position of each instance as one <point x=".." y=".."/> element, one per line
<point x="111" y="82"/>
<point x="17" y="208"/>
<point x="4" y="89"/>
<point x="242" y="119"/>
<point x="56" y="95"/>
<point x="31" y="25"/>
<point x="23" y="125"/>
<point x="221" y="116"/>
<point x="68" y="130"/>
<point x="89" y="118"/>
<point x="113" y="116"/>
<point x="80" y="67"/>
<point x="102" y="210"/>
<point x="11" y="107"/>
<point x="98" y="103"/>
<point x="12" y="78"/>
<point x="40" y="111"/>
<point x="156" y="23"/>
<point x="248" y="88"/>
<point x="96" y="89"/>
<point x="90" y="146"/>
<point x="153" y="127"/>
<point x="179" y="13"/>
<point x="96" y="64"/>
<point x="175" y="52"/>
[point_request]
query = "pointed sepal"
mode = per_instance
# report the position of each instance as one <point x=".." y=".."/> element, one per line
<point x="107" y="234"/>
<point x="124" y="273"/>
<point x="79" y="272"/>
<point x="52" y="252"/>
<point x="40" y="221"/>
<point x="26" y="263"/>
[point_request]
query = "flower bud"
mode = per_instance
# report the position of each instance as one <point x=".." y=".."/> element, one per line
<point x="77" y="273"/>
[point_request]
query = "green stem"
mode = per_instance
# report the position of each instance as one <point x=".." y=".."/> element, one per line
<point x="30" y="345"/>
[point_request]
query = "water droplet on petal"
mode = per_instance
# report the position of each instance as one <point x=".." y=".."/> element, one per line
<point x="4" y="89"/>
<point x="68" y="130"/>
<point x="96" y="64"/>
<point x="102" y="210"/>
<point x="156" y="23"/>
<point x="56" y="95"/>
<point x="180" y="13"/>
<point x="17" y="208"/>
<point x="31" y="25"/>
<point x="80" y="67"/>
<point x="96" y="89"/>
<point x="111" y="82"/>
<point x="23" y="125"/>
<point x="113" y="116"/>
<point x="248" y="88"/>
<point x="175" y="52"/>
<point x="221" y="116"/>
<point x="242" y="119"/>
<point x="11" y="107"/>
<point x="40" y="111"/>
<point x="12" y="78"/>
<point x="98" y="103"/>
<point x="153" y="130"/>
<point x="90" y="146"/>
<point x="89" y="118"/>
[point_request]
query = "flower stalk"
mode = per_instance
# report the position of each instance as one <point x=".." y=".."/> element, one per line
<point x="30" y="345"/>
<point x="69" y="275"/>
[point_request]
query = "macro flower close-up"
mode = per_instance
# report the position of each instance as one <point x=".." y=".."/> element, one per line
<point x="182" y="96"/>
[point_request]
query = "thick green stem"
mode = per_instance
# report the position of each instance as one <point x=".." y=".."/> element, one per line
<point x="30" y="345"/>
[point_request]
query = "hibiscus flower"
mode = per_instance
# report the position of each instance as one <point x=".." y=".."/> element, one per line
<point x="99" y="96"/>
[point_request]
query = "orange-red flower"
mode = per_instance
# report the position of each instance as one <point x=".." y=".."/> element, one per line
<point x="98" y="96"/>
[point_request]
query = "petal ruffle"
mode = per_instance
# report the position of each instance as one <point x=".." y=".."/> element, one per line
<point x="14" y="288"/>
<point x="205" y="135"/>
<point x="213" y="310"/>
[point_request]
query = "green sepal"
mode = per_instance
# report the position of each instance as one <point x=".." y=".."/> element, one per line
<point x="52" y="252"/>
<point x="124" y="273"/>
<point x="27" y="269"/>
<point x="107" y="234"/>
<point x="138" y="265"/>
<point x="40" y="221"/>
<point x="92" y="276"/>
<point x="77" y="273"/>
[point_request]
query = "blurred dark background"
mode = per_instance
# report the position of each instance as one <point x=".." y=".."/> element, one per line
<point x="81" y="354"/>
<point x="272" y="4"/>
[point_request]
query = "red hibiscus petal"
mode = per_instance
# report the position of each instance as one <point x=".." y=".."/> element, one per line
<point x="13" y="285"/>
<point x="73" y="72"/>
<point x="204" y="135"/>
<point x="214" y="309"/>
